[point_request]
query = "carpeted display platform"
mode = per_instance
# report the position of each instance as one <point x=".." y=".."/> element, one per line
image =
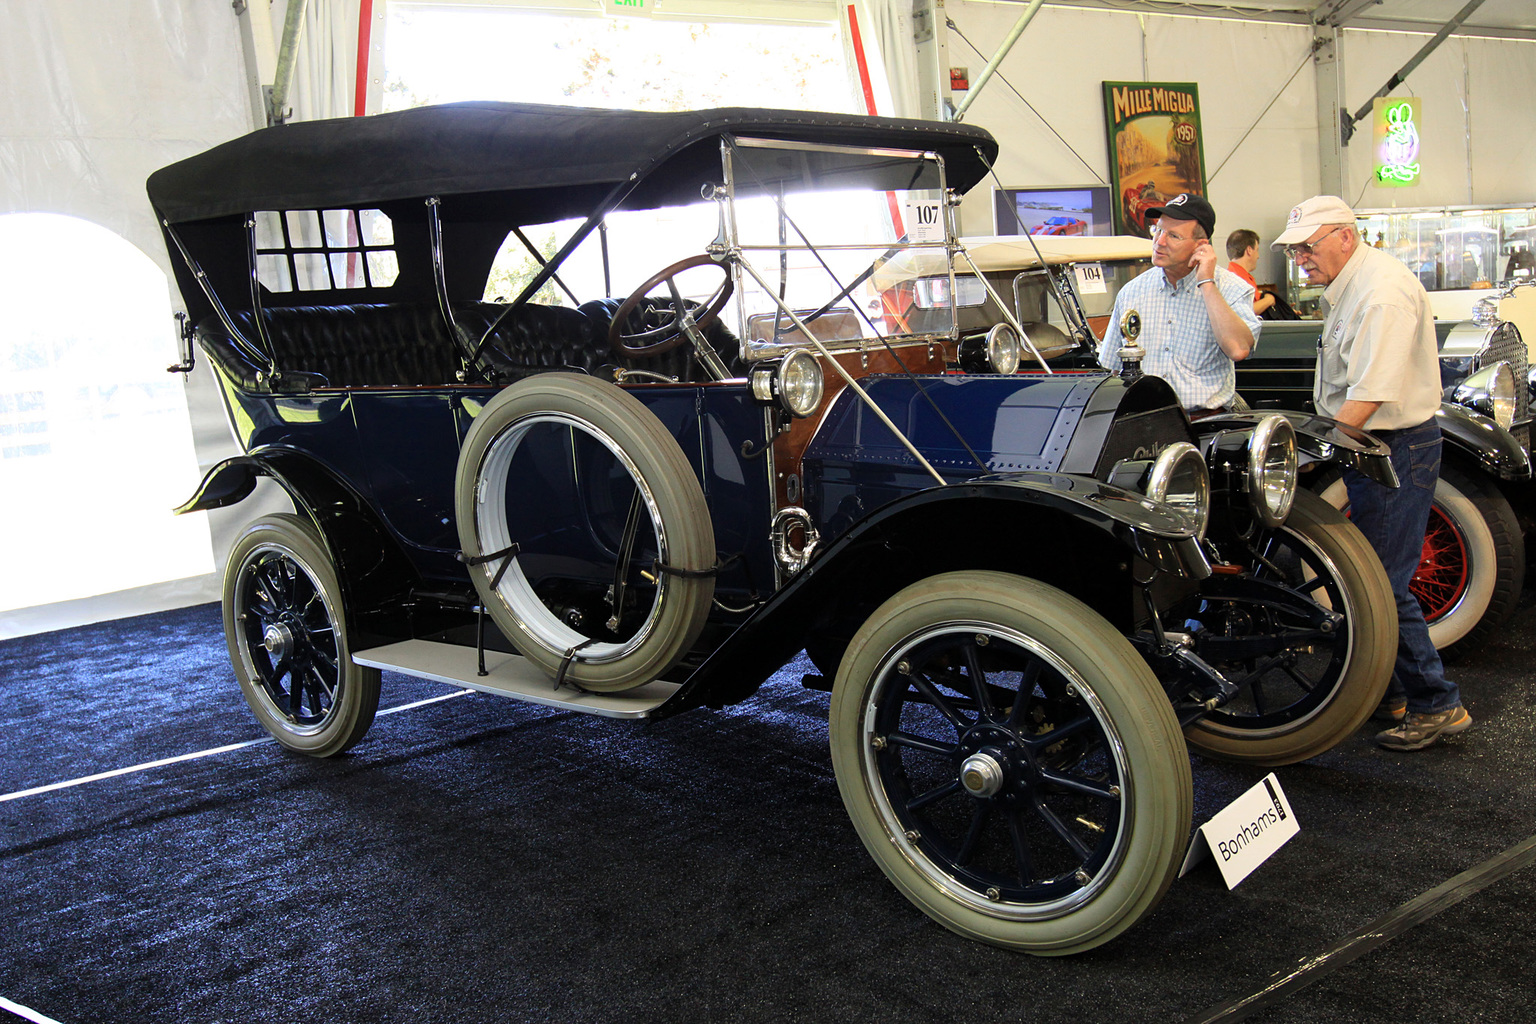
<point x="481" y="860"/>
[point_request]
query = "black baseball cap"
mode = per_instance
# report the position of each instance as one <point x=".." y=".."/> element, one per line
<point x="1188" y="206"/>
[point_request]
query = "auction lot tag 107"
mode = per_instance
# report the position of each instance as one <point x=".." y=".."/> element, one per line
<point x="1242" y="835"/>
<point x="924" y="220"/>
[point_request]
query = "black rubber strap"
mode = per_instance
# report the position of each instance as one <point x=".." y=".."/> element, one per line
<point x="509" y="552"/>
<point x="565" y="665"/>
<point x="660" y="567"/>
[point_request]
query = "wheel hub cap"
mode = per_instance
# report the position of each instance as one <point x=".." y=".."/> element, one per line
<point x="981" y="775"/>
<point x="278" y="640"/>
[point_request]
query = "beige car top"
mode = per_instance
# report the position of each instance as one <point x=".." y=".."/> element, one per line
<point x="992" y="253"/>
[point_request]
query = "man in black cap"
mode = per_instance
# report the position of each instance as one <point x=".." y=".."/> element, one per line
<point x="1197" y="318"/>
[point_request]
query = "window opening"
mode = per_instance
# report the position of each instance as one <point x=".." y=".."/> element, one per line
<point x="324" y="250"/>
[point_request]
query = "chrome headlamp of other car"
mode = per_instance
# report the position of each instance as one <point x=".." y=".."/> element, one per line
<point x="1490" y="391"/>
<point x="1272" y="470"/>
<point x="997" y="351"/>
<point x="1180" y="478"/>
<point x="794" y="382"/>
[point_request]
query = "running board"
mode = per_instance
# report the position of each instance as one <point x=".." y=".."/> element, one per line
<point x="510" y="675"/>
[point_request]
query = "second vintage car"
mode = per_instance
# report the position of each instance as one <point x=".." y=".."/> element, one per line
<point x="1062" y="291"/>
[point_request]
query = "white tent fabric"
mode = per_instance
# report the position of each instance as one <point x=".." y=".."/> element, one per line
<point x="98" y="96"/>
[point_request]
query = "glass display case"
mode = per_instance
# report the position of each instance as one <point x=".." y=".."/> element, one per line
<point x="1456" y="252"/>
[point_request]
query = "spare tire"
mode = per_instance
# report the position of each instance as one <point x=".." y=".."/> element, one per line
<point x="585" y="530"/>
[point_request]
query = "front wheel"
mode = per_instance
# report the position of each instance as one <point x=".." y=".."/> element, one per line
<point x="287" y="635"/>
<point x="1301" y="689"/>
<point x="1010" y="762"/>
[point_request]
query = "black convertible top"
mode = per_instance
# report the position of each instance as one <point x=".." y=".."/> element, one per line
<point x="559" y="155"/>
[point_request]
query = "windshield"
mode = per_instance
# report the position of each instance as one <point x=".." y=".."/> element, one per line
<point x="810" y="227"/>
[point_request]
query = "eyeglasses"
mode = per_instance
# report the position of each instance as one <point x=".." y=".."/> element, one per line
<point x="1307" y="248"/>
<point x="1159" y="231"/>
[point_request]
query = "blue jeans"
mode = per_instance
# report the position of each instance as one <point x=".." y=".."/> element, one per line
<point x="1394" y="521"/>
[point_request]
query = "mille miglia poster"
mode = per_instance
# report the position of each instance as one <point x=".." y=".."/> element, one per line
<point x="1156" y="147"/>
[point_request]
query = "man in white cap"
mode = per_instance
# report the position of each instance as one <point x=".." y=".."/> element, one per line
<point x="1197" y="318"/>
<point x="1378" y="369"/>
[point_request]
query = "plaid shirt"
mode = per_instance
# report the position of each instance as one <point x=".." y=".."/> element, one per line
<point x="1176" y="332"/>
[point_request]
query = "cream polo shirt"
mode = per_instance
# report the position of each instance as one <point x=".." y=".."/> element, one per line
<point x="1378" y="343"/>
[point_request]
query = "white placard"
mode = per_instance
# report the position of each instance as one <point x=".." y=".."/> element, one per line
<point x="1090" y="278"/>
<point x="925" y="221"/>
<point x="1244" y="834"/>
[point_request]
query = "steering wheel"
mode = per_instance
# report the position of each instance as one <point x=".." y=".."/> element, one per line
<point x="668" y="333"/>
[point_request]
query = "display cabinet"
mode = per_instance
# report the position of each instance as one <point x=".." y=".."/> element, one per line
<point x="1455" y="251"/>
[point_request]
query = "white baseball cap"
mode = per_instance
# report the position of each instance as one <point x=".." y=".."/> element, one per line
<point x="1311" y="214"/>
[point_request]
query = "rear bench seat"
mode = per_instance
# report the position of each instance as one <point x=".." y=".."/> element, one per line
<point x="398" y="345"/>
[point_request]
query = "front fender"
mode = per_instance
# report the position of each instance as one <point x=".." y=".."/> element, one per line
<point x="1085" y="537"/>
<point x="1319" y="439"/>
<point x="1492" y="448"/>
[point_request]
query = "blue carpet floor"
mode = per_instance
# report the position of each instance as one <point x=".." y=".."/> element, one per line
<point x="476" y="860"/>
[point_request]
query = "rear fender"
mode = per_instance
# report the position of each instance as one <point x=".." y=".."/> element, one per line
<point x="1086" y="538"/>
<point x="376" y="576"/>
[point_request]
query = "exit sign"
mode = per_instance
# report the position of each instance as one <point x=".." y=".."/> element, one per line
<point x="631" y="8"/>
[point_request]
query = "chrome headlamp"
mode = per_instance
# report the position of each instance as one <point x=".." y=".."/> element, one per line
<point x="1490" y="391"/>
<point x="1180" y="478"/>
<point x="1272" y="470"/>
<point x="794" y="382"/>
<point x="997" y="351"/>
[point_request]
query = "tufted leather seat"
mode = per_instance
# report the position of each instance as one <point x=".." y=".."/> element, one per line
<point x="399" y="345"/>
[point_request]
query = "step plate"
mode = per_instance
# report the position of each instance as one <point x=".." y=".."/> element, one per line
<point x="510" y="675"/>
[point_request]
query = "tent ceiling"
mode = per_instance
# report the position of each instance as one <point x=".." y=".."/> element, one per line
<point x="1499" y="17"/>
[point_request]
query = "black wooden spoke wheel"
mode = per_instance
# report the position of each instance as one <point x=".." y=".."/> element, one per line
<point x="1301" y="690"/>
<point x="1010" y="762"/>
<point x="284" y="622"/>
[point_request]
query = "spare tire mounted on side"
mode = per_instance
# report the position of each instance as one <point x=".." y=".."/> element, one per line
<point x="589" y="499"/>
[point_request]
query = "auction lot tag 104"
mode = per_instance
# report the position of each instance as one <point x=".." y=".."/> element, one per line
<point x="1242" y="835"/>
<point x="1090" y="278"/>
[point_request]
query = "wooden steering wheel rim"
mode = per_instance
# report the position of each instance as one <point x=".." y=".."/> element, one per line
<point x="709" y="314"/>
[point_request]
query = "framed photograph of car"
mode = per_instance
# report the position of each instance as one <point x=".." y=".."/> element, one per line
<point x="1063" y="210"/>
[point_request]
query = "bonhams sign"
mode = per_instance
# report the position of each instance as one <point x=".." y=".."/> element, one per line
<point x="1156" y="147"/>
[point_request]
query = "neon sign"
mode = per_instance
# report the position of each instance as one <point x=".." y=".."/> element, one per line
<point x="1396" y="131"/>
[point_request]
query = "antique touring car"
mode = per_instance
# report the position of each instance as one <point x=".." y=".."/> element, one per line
<point x="1063" y="290"/>
<point x="1025" y="591"/>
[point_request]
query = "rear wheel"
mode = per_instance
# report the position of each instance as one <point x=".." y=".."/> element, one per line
<point x="1010" y="762"/>
<point x="1473" y="565"/>
<point x="287" y="635"/>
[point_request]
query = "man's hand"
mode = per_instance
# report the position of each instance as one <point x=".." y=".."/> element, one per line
<point x="1204" y="260"/>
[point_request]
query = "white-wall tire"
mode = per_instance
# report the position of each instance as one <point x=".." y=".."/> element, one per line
<point x="602" y="418"/>
<point x="1074" y="742"/>
<point x="287" y="634"/>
